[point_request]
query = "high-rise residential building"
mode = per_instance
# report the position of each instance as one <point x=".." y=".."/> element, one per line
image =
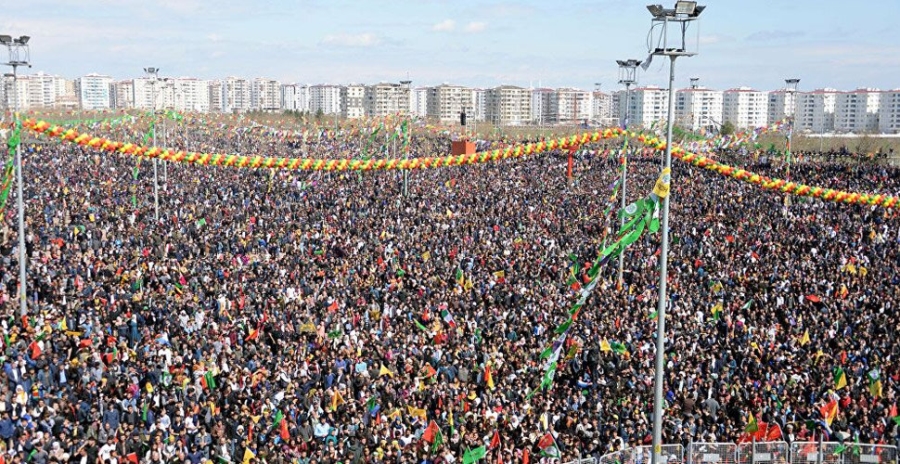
<point x="325" y="98"/>
<point x="782" y="104"/>
<point x="216" y="96"/>
<point x="352" y="97"/>
<point x="386" y="98"/>
<point x="93" y="91"/>
<point x="265" y="95"/>
<point x="541" y="112"/>
<point x="418" y="102"/>
<point x="646" y="107"/>
<point x="122" y="94"/>
<point x="745" y="108"/>
<point x="508" y="105"/>
<point x="698" y="108"/>
<point x="236" y="95"/>
<point x="295" y="97"/>
<point x="190" y="94"/>
<point x="446" y="102"/>
<point x="889" y="112"/>
<point x="815" y="111"/>
<point x="602" y="109"/>
<point x="39" y="90"/>
<point x="857" y="111"/>
<point x="480" y="97"/>
<point x="570" y="106"/>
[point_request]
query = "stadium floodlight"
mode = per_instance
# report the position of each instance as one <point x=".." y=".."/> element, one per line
<point x="656" y="10"/>
<point x="5" y="39"/>
<point x="23" y="40"/>
<point x="685" y="8"/>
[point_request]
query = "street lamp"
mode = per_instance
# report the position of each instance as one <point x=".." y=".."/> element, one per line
<point x="791" y="90"/>
<point x="405" y="86"/>
<point x="154" y="73"/>
<point x="19" y="55"/>
<point x="627" y="77"/>
<point x="680" y="19"/>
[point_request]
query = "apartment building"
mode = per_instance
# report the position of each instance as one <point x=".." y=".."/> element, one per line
<point x="446" y="102"/>
<point x="698" y="108"/>
<point x="889" y="112"/>
<point x="295" y="97"/>
<point x="815" y="110"/>
<point x="352" y="99"/>
<point x="386" y="98"/>
<point x="745" y="108"/>
<point x="325" y="98"/>
<point x="571" y="106"/>
<point x="541" y="112"/>
<point x="782" y="105"/>
<point x="857" y="110"/>
<point x="508" y="105"/>
<point x="265" y="95"/>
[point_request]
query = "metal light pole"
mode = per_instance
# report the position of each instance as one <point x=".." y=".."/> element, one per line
<point x="405" y="86"/>
<point x="154" y="72"/>
<point x="679" y="18"/>
<point x="791" y="90"/>
<point x="19" y="56"/>
<point x="627" y="77"/>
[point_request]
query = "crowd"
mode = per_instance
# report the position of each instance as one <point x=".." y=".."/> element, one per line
<point x="325" y="317"/>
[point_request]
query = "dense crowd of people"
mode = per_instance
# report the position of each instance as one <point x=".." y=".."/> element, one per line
<point x="324" y="317"/>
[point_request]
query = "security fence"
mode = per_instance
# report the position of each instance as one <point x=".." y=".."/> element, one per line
<point x="777" y="452"/>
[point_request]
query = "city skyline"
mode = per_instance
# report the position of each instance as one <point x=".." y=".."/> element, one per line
<point x="522" y="43"/>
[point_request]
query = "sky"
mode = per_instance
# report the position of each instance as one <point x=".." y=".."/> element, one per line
<point x="756" y="43"/>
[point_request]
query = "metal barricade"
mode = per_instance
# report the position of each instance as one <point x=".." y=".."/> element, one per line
<point x="770" y="452"/>
<point x="870" y="454"/>
<point x="809" y="452"/>
<point x="671" y="454"/>
<point x="613" y="458"/>
<point x="711" y="453"/>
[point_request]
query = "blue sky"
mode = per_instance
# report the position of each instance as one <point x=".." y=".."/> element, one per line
<point x="478" y="43"/>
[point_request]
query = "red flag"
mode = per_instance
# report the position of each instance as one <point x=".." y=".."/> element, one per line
<point x="430" y="432"/>
<point x="495" y="440"/>
<point x="132" y="457"/>
<point x="35" y="350"/>
<point x="893" y="412"/>
<point x="285" y="433"/>
<point x="525" y="455"/>
<point x="546" y="440"/>
<point x="249" y="429"/>
<point x="774" y="433"/>
<point x="333" y="307"/>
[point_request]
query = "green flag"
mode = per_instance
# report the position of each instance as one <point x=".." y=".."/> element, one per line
<point x="618" y="347"/>
<point x="474" y="455"/>
<point x="210" y="380"/>
<point x="420" y="326"/>
<point x="335" y="334"/>
<point x="565" y="326"/>
<point x="438" y="441"/>
<point x="279" y="416"/>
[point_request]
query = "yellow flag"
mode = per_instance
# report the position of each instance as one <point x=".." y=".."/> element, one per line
<point x="248" y="455"/>
<point x="661" y="189"/>
<point x="336" y="400"/>
<point x="417" y="412"/>
<point x="63" y="325"/>
<point x="426" y="256"/>
<point x="385" y="371"/>
<point x="149" y="388"/>
<point x="449" y="213"/>
<point x="804" y="340"/>
<point x="604" y="345"/>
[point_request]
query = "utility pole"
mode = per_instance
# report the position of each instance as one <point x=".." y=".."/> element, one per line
<point x="19" y="55"/>
<point x="154" y="73"/>
<point x="627" y="77"/>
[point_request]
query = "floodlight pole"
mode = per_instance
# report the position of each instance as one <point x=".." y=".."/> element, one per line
<point x="679" y="17"/>
<point x="154" y="72"/>
<point x="19" y="56"/>
<point x="407" y="87"/>
<point x="628" y="74"/>
<point x="791" y="89"/>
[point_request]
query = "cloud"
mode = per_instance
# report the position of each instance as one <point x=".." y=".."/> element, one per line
<point x="351" y="40"/>
<point x="767" y="36"/>
<point x="715" y="39"/>
<point x="446" y="25"/>
<point x="476" y="26"/>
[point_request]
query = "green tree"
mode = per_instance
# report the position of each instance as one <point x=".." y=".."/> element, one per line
<point x="319" y="114"/>
<point x="727" y="128"/>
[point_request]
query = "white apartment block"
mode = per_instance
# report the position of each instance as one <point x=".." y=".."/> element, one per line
<point x="39" y="90"/>
<point x="571" y="106"/>
<point x="216" y="96"/>
<point x="325" y="98"/>
<point x="815" y="111"/>
<point x="745" y="108"/>
<point x="540" y="106"/>
<point x="782" y="104"/>
<point x="480" y="97"/>
<point x="236" y="95"/>
<point x="857" y="111"/>
<point x="386" y="98"/>
<point x="191" y="94"/>
<point x="122" y="94"/>
<point x="265" y="95"/>
<point x="295" y="97"/>
<point x="418" y="102"/>
<point x="889" y="112"/>
<point x="93" y="91"/>
<point x="698" y="107"/>
<point x="352" y="98"/>
<point x="508" y="105"/>
<point x="446" y="102"/>
<point x="602" y="109"/>
<point x="646" y="106"/>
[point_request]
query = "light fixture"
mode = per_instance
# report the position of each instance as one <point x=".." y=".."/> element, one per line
<point x="656" y="10"/>
<point x="23" y="39"/>
<point x="5" y="39"/>
<point x="685" y="8"/>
